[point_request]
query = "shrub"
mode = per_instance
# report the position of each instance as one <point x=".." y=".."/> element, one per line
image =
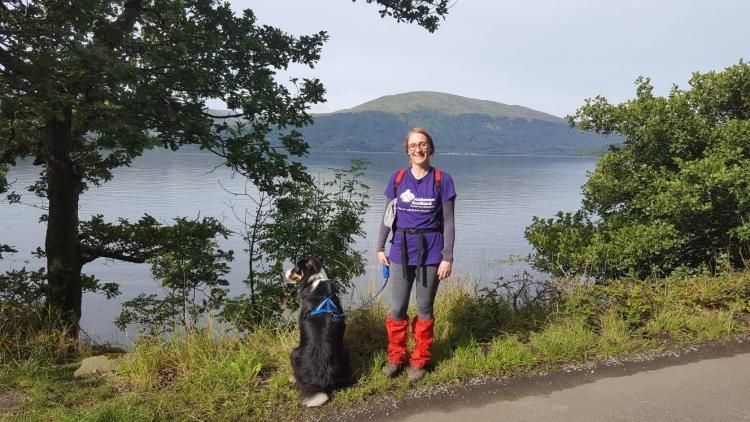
<point x="674" y="198"/>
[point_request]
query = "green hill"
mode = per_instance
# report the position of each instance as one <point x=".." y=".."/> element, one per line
<point x="458" y="125"/>
<point x="447" y="104"/>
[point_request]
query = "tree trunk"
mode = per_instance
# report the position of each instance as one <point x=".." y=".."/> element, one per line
<point x="63" y="245"/>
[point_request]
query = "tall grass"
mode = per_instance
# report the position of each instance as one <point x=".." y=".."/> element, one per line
<point x="208" y="375"/>
<point x="35" y="334"/>
<point x="221" y="375"/>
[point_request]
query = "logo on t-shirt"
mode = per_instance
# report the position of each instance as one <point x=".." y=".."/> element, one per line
<point x="407" y="196"/>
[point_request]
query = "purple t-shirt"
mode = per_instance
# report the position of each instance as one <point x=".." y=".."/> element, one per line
<point x="419" y="206"/>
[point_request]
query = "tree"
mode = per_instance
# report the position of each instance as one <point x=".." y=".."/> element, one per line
<point x="674" y="197"/>
<point x="301" y="219"/>
<point x="86" y="85"/>
<point x="331" y="213"/>
<point x="191" y="270"/>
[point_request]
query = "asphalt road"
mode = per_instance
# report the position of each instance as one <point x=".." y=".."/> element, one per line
<point x="706" y="383"/>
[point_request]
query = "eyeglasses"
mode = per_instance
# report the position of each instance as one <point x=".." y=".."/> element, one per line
<point x="421" y="145"/>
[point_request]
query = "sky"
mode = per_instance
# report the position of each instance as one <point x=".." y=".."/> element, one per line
<point x="548" y="55"/>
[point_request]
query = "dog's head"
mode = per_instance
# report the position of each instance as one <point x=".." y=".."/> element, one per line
<point x="306" y="271"/>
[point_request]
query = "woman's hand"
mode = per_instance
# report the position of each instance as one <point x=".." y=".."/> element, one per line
<point x="383" y="259"/>
<point x="444" y="270"/>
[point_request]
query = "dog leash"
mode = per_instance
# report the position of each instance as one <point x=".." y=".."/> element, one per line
<point x="386" y="276"/>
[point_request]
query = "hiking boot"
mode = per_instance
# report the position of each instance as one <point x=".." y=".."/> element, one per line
<point x="415" y="374"/>
<point x="390" y="370"/>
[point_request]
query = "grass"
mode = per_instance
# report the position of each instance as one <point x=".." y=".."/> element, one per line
<point x="26" y="334"/>
<point x="208" y="376"/>
<point x="565" y="340"/>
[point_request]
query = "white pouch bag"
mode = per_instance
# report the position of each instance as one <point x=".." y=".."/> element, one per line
<point x="390" y="213"/>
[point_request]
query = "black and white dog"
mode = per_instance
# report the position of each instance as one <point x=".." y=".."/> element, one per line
<point x="321" y="362"/>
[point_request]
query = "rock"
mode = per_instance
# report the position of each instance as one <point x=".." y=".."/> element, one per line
<point x="9" y="400"/>
<point x="101" y="365"/>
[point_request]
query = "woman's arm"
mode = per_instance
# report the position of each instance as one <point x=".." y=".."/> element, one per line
<point x="449" y="235"/>
<point x="449" y="230"/>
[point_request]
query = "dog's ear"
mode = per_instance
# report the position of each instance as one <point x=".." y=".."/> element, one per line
<point x="312" y="266"/>
<point x="300" y="265"/>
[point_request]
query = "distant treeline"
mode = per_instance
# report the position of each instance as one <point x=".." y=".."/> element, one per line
<point x="462" y="133"/>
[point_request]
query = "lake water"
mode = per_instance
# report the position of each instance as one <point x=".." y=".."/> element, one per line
<point x="497" y="196"/>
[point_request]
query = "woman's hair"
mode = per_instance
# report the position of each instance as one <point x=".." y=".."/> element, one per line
<point x="420" y="131"/>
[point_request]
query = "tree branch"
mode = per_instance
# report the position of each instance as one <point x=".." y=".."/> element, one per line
<point x="124" y="241"/>
<point x="91" y="254"/>
<point x="228" y="116"/>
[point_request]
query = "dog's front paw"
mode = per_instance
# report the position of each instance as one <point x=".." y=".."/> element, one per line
<point x="292" y="380"/>
<point x="315" y="400"/>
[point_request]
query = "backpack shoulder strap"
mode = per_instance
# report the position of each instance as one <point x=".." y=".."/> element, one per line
<point x="401" y="173"/>
<point x="399" y="177"/>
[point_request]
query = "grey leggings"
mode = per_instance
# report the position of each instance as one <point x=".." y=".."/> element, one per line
<point x="401" y="291"/>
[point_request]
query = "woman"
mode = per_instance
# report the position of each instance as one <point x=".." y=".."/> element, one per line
<point x="421" y="250"/>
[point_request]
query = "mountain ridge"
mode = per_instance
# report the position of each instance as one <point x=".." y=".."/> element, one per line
<point x="446" y="103"/>
<point x="457" y="124"/>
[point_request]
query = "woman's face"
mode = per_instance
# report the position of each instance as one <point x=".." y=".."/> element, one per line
<point x="418" y="148"/>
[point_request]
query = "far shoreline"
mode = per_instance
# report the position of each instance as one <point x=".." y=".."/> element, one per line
<point x="461" y="154"/>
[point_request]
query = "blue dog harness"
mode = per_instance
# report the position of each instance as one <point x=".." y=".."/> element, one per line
<point x="327" y="307"/>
